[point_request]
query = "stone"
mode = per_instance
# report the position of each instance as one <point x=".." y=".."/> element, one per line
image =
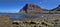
<point x="31" y="8"/>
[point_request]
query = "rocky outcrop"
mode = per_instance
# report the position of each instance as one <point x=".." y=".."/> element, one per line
<point x="49" y="21"/>
<point x="30" y="8"/>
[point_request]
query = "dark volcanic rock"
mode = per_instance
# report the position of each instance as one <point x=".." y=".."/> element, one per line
<point x="56" y="9"/>
<point x="30" y="8"/>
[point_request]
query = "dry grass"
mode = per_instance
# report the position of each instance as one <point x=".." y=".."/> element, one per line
<point x="4" y="21"/>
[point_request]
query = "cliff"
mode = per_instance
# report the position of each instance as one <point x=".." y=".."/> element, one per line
<point x="31" y="8"/>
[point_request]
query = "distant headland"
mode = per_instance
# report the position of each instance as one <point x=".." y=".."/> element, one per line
<point x="32" y="8"/>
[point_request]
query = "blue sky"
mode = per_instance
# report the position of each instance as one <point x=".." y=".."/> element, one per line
<point x="16" y="5"/>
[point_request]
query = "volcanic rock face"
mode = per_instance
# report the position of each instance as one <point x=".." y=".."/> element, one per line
<point x="30" y="8"/>
<point x="56" y="9"/>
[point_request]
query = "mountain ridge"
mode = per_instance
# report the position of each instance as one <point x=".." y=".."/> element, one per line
<point x="31" y="8"/>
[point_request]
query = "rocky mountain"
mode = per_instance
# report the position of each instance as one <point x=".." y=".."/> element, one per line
<point x="56" y="9"/>
<point x="31" y="8"/>
<point x="45" y="10"/>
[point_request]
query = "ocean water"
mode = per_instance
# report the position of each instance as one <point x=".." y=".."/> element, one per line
<point x="14" y="15"/>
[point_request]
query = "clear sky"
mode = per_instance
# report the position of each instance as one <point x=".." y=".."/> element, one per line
<point x="16" y="5"/>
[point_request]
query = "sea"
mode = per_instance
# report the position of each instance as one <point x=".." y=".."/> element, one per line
<point x="14" y="16"/>
<point x="17" y="16"/>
